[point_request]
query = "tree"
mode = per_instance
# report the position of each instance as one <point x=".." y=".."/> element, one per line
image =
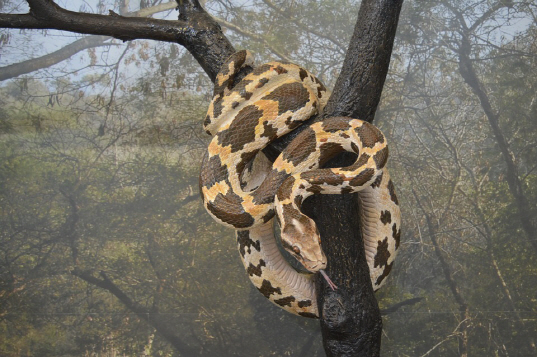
<point x="200" y="34"/>
<point x="457" y="189"/>
<point x="462" y="45"/>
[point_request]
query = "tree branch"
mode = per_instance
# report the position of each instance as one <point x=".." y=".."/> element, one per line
<point x="359" y="86"/>
<point x="395" y="307"/>
<point x="195" y="29"/>
<point x="53" y="58"/>
<point x="47" y="15"/>
<point x="469" y="75"/>
<point x="66" y="52"/>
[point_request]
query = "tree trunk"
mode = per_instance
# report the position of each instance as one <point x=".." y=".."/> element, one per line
<point x="350" y="318"/>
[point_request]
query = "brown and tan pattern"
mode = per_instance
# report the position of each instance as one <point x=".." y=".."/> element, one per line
<point x="242" y="190"/>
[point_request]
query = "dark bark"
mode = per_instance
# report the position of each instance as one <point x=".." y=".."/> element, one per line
<point x="359" y="86"/>
<point x="351" y="324"/>
<point x="350" y="318"/>
<point x="195" y="29"/>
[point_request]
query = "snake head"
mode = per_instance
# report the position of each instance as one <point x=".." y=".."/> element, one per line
<point x="301" y="239"/>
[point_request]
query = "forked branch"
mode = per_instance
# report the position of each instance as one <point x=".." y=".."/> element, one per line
<point x="195" y="29"/>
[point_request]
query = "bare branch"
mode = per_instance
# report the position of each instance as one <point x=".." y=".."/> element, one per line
<point x="53" y="58"/>
<point x="253" y="36"/>
<point x="395" y="307"/>
<point x="300" y="24"/>
<point x="66" y="52"/>
<point x="148" y="11"/>
<point x="195" y="29"/>
<point x="47" y="15"/>
<point x="145" y="314"/>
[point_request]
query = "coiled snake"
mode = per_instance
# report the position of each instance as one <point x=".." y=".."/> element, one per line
<point x="242" y="190"/>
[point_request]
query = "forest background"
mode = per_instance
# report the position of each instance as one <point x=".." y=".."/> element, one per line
<point x="105" y="248"/>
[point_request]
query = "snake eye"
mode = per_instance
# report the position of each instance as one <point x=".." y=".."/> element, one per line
<point x="296" y="249"/>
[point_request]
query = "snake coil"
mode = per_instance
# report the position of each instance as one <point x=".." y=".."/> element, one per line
<point x="243" y="190"/>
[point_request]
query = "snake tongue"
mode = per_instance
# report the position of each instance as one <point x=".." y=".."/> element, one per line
<point x="330" y="282"/>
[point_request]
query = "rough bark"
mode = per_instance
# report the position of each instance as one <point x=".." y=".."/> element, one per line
<point x="359" y="86"/>
<point x="350" y="318"/>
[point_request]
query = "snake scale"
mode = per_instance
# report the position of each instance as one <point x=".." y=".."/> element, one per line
<point x="243" y="190"/>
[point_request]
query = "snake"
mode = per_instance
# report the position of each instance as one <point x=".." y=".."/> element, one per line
<point x="243" y="190"/>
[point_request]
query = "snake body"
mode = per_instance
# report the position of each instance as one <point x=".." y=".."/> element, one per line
<point x="242" y="190"/>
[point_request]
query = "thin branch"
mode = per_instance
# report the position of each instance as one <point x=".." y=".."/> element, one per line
<point x="253" y="36"/>
<point x="148" y="11"/>
<point x="303" y="26"/>
<point x="395" y="307"/>
<point x="53" y="58"/>
<point x="438" y="344"/>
